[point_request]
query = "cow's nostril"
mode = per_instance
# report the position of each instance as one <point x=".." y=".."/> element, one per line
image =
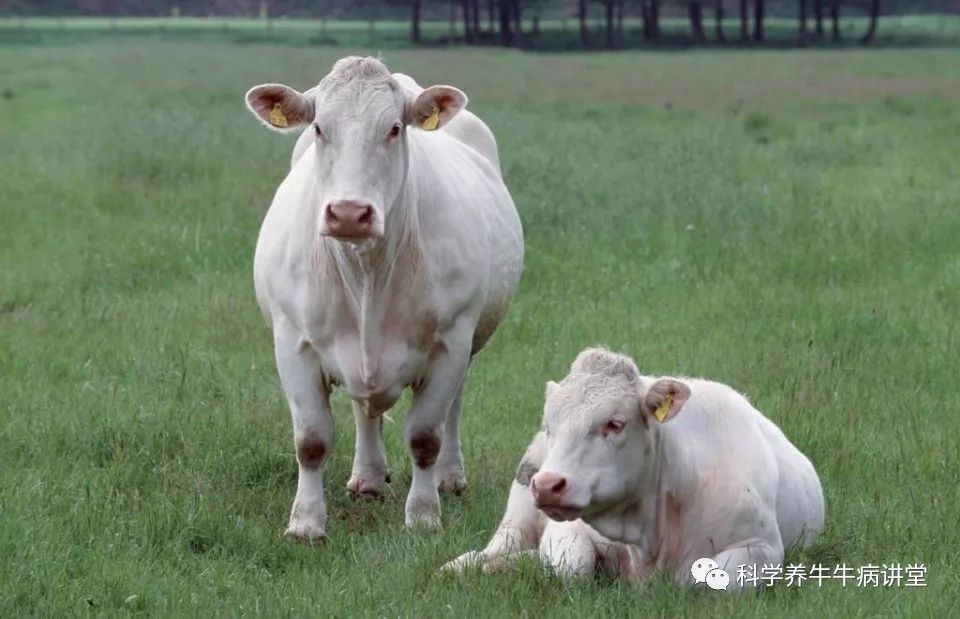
<point x="331" y="216"/>
<point x="367" y="216"/>
<point x="558" y="486"/>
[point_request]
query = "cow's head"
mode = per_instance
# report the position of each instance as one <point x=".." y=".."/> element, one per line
<point x="359" y="115"/>
<point x="600" y="423"/>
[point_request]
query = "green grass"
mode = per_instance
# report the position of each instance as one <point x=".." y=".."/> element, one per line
<point x="786" y="222"/>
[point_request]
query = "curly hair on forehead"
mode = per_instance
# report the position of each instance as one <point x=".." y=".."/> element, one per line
<point x="601" y="360"/>
<point x="358" y="68"/>
<point x="580" y="392"/>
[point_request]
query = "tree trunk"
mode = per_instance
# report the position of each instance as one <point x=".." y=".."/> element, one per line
<point x="818" y="16"/>
<point x="696" y="21"/>
<point x="802" y="24"/>
<point x="758" y="20"/>
<point x="475" y="16"/>
<point x="651" y="21"/>
<point x="719" y="17"/>
<point x="506" y="28"/>
<point x="491" y="14"/>
<point x="453" y="22"/>
<point x="744" y="21"/>
<point x="517" y="19"/>
<point x="620" y="4"/>
<point x="467" y="22"/>
<point x="835" y="18"/>
<point x="415" y="22"/>
<point x="582" y="16"/>
<point x="611" y="35"/>
<point x="872" y="28"/>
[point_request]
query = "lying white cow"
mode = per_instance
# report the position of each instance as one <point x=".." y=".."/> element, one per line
<point x="388" y="257"/>
<point x="640" y="475"/>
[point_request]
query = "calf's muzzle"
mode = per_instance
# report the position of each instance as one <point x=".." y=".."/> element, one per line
<point x="548" y="488"/>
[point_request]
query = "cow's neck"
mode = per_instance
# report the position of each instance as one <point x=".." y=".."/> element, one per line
<point x="374" y="275"/>
<point x="646" y="518"/>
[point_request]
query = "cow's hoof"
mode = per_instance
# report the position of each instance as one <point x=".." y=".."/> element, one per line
<point x="423" y="514"/>
<point x="467" y="561"/>
<point x="310" y="534"/>
<point x="452" y="482"/>
<point x="363" y="488"/>
<point x="307" y="522"/>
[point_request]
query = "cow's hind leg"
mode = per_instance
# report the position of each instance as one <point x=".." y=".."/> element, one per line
<point x="450" y="473"/>
<point x="753" y="553"/>
<point x="300" y="374"/>
<point x="369" y="472"/>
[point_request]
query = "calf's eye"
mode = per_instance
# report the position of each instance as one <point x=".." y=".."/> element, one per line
<point x="394" y="131"/>
<point x="614" y="426"/>
<point x="316" y="129"/>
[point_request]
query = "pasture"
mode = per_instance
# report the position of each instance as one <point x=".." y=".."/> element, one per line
<point x="788" y="223"/>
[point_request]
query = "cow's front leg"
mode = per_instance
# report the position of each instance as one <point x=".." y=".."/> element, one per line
<point x="300" y="374"/>
<point x="445" y="374"/>
<point x="369" y="458"/>
<point x="568" y="548"/>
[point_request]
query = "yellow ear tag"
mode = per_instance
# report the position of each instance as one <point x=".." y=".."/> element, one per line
<point x="430" y="122"/>
<point x="277" y="118"/>
<point x="664" y="408"/>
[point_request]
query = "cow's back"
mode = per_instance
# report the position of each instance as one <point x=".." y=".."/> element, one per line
<point x="728" y="446"/>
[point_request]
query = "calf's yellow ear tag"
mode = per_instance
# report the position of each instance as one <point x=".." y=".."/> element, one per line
<point x="430" y="122"/>
<point x="664" y="408"/>
<point x="277" y="117"/>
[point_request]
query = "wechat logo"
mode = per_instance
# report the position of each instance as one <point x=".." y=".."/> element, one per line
<point x="707" y="571"/>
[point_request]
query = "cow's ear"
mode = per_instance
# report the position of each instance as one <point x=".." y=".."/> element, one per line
<point x="280" y="107"/>
<point x="435" y="107"/>
<point x="665" y="398"/>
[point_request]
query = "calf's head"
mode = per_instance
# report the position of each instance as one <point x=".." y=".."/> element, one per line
<point x="600" y="423"/>
<point x="359" y="115"/>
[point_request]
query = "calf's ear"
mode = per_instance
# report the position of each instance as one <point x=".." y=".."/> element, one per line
<point x="435" y="107"/>
<point x="665" y="398"/>
<point x="280" y="107"/>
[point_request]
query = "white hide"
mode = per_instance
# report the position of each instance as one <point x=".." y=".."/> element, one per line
<point x="716" y="479"/>
<point x="407" y="308"/>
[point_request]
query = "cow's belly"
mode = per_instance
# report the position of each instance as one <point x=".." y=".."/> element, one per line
<point x="375" y="380"/>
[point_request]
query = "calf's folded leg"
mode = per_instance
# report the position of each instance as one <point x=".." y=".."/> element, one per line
<point x="522" y="524"/>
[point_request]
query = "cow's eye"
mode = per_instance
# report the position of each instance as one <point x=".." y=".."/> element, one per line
<point x="614" y="426"/>
<point x="316" y="129"/>
<point x="394" y="131"/>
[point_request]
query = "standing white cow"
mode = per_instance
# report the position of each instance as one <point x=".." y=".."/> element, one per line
<point x="640" y="475"/>
<point x="388" y="257"/>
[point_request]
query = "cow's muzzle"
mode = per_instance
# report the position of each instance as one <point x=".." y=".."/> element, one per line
<point x="349" y="220"/>
<point x="549" y="493"/>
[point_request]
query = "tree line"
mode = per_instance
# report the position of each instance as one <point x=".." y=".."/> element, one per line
<point x="505" y="19"/>
<point x="516" y="22"/>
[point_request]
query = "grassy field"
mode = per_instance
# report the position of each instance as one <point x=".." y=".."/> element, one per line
<point x="785" y="222"/>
